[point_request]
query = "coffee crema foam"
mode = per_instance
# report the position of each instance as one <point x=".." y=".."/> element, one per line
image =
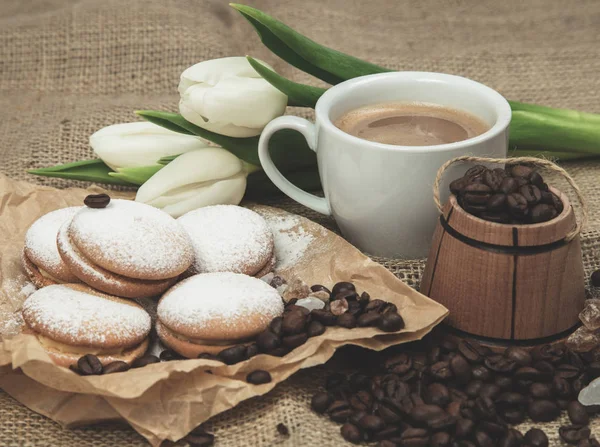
<point x="411" y="124"/>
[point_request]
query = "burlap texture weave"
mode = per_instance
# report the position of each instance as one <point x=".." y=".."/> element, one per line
<point x="69" y="67"/>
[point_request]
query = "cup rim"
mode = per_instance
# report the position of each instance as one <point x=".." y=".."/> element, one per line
<point x="498" y="101"/>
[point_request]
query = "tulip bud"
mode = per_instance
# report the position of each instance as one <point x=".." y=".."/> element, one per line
<point x="210" y="176"/>
<point x="138" y="144"/>
<point x="229" y="97"/>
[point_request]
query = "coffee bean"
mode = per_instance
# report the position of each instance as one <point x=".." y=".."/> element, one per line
<point x="251" y="350"/>
<point x="339" y="411"/>
<point x="232" y="355"/>
<point x="342" y="286"/>
<point x="276" y="325"/>
<point x="293" y="341"/>
<point x="145" y="360"/>
<point x="267" y="341"/>
<point x="482" y="439"/>
<point x="536" y="438"/>
<point x="517" y="205"/>
<point x="368" y="319"/>
<point x="351" y="433"/>
<point x="437" y="394"/>
<point x="460" y="368"/>
<point x="282" y="429"/>
<point x="440" y="371"/>
<point x="389" y="411"/>
<point x="485" y="408"/>
<point x="530" y="373"/>
<point x="371" y="422"/>
<point x="374" y="306"/>
<point x="472" y="351"/>
<point x="474" y="388"/>
<point x="258" y="377"/>
<point x="89" y="365"/>
<point x="508" y="185"/>
<point x="578" y="413"/>
<point x="541" y="391"/>
<point x="513" y="415"/>
<point x="513" y="438"/>
<point x="169" y="355"/>
<point x="443" y="422"/>
<point x="566" y="371"/>
<point x="572" y="434"/>
<point x="116" y="367"/>
<point x="480" y="372"/>
<point x="542" y="213"/>
<point x="97" y="200"/>
<point x="208" y="356"/>
<point x="557" y="203"/>
<point x="505" y="383"/>
<point x="489" y="390"/>
<point x="361" y="401"/>
<point x="476" y="171"/>
<point x="476" y="194"/>
<point x="315" y="329"/>
<point x="519" y="171"/>
<point x="453" y="408"/>
<point x="510" y="399"/>
<point x="496" y="202"/>
<point x="518" y="355"/>
<point x="398" y="364"/>
<point x="456" y="186"/>
<point x="464" y="427"/>
<point x="493" y="179"/>
<point x="319" y="288"/>
<point x="493" y="428"/>
<point x="324" y="317"/>
<point x="346" y="320"/>
<point x="320" y="402"/>
<point x="542" y="410"/>
<point x="550" y="353"/>
<point x="414" y="437"/>
<point x="532" y="194"/>
<point x="293" y="322"/>
<point x="391" y="322"/>
<point x="440" y="439"/>
<point x="198" y="437"/>
<point x="425" y="412"/>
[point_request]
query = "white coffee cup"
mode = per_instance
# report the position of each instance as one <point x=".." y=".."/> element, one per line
<point x="379" y="194"/>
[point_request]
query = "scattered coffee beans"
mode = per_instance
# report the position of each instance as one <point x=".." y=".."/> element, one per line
<point x="516" y="195"/>
<point x="145" y="360"/>
<point x="436" y="393"/>
<point x="116" y="367"/>
<point x="97" y="200"/>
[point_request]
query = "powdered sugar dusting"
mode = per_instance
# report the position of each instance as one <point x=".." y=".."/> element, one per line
<point x="84" y="318"/>
<point x="291" y="239"/>
<point x="228" y="238"/>
<point x="40" y="239"/>
<point x="228" y="296"/>
<point x="133" y="236"/>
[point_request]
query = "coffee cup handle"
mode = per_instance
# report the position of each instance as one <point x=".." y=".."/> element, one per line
<point x="307" y="129"/>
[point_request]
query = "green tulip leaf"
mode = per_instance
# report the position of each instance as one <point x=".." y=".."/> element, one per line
<point x="324" y="63"/>
<point x="299" y="94"/>
<point x="137" y="175"/>
<point x="87" y="170"/>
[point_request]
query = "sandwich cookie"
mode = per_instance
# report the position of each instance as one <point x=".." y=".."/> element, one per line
<point x="210" y="312"/>
<point x="127" y="249"/>
<point x="71" y="320"/>
<point x="229" y="238"/>
<point x="41" y="260"/>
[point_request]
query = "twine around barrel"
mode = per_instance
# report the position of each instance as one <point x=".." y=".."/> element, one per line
<point x="547" y="164"/>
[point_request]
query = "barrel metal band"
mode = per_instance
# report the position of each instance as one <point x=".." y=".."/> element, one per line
<point x="504" y="249"/>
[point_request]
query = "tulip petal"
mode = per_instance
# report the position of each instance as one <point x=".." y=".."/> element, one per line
<point x="223" y="192"/>
<point x="140" y="144"/>
<point x="205" y="165"/>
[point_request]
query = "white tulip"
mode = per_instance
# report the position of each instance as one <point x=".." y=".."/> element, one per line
<point x="229" y="97"/>
<point x="131" y="145"/>
<point x="211" y="176"/>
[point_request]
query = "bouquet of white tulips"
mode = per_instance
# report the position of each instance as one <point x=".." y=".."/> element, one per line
<point x="207" y="154"/>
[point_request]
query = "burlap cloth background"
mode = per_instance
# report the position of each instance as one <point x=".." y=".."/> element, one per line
<point x="69" y="67"/>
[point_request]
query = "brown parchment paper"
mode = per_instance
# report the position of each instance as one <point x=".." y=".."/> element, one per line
<point x="167" y="400"/>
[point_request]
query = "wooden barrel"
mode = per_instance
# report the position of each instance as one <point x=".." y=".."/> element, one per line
<point x="509" y="282"/>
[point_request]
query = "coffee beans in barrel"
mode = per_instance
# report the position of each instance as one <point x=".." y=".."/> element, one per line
<point x="97" y="200"/>
<point x="516" y="195"/>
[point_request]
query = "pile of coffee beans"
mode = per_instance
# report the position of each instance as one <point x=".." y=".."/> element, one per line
<point x="447" y="394"/>
<point x="516" y="195"/>
<point x="346" y="308"/>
